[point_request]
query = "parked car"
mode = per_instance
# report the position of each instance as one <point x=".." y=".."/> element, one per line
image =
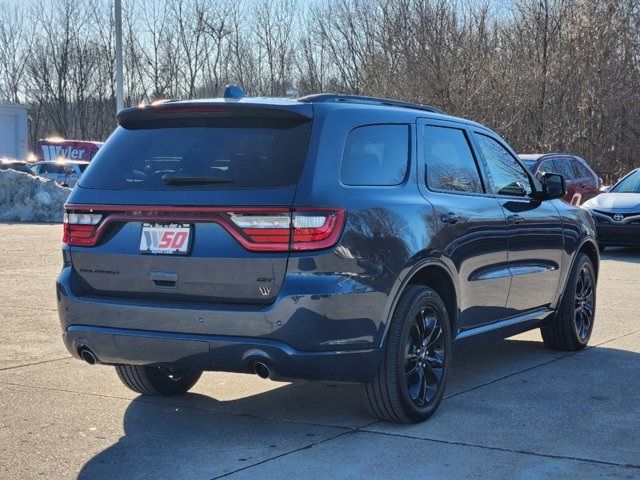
<point x="53" y="149"/>
<point x="617" y="212"/>
<point x="331" y="237"/>
<point x="63" y="172"/>
<point x="581" y="181"/>
<point x="17" y="165"/>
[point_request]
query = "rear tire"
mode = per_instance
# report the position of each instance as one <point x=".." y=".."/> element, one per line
<point x="159" y="381"/>
<point x="411" y="378"/>
<point x="572" y="326"/>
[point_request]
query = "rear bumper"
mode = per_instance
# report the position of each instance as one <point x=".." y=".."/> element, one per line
<point x="618" y="235"/>
<point x="209" y="352"/>
<point x="301" y="335"/>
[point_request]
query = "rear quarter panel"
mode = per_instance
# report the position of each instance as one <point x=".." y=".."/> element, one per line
<point x="388" y="228"/>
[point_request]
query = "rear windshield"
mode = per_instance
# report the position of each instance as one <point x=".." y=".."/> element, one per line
<point x="223" y="153"/>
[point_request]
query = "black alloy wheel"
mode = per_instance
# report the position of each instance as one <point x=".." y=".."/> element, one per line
<point x="571" y="327"/>
<point x="409" y="384"/>
<point x="424" y="357"/>
<point x="584" y="302"/>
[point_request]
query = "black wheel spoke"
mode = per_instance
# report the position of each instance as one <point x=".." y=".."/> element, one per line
<point x="584" y="302"/>
<point x="424" y="357"/>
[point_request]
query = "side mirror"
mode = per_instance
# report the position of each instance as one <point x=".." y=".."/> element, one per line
<point x="552" y="186"/>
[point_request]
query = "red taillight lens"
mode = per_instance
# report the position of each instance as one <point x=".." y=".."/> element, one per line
<point x="299" y="230"/>
<point x="316" y="230"/>
<point x="80" y="229"/>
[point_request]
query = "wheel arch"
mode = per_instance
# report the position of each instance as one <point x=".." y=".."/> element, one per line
<point x="590" y="249"/>
<point x="436" y="275"/>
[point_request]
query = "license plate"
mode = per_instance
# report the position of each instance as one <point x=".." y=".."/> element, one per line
<point x="166" y="239"/>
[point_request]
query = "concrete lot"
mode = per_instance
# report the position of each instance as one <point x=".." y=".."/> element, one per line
<point x="514" y="410"/>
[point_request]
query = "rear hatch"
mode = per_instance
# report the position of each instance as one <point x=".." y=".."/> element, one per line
<point x="190" y="202"/>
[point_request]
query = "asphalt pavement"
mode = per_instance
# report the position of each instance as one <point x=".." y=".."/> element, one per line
<point x="512" y="410"/>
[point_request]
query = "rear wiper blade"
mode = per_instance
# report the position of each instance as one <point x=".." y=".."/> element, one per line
<point x="192" y="180"/>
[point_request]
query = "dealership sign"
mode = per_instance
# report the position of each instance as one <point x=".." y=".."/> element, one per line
<point x="56" y="149"/>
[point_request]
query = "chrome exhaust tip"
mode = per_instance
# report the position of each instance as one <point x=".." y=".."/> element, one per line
<point x="87" y="355"/>
<point x="262" y="370"/>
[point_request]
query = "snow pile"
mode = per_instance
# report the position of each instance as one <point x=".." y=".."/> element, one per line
<point x="25" y="198"/>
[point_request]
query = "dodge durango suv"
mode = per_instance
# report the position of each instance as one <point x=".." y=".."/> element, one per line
<point x="331" y="237"/>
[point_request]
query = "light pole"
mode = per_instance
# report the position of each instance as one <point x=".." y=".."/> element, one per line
<point x="119" y="88"/>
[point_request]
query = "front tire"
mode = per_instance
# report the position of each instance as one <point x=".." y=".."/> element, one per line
<point x="411" y="378"/>
<point x="572" y="326"/>
<point x="158" y="381"/>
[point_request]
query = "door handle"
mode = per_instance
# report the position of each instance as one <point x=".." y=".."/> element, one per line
<point x="515" y="218"/>
<point x="450" y="217"/>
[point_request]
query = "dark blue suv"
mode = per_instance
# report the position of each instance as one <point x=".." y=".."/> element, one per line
<point x="331" y="237"/>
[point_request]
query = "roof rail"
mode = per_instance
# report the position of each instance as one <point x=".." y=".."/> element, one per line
<point x="343" y="98"/>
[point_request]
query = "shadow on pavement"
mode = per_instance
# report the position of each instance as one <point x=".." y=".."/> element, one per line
<point x="197" y="436"/>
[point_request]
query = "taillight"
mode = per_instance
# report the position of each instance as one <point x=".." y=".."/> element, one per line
<point x="80" y="229"/>
<point x="258" y="230"/>
<point x="299" y="230"/>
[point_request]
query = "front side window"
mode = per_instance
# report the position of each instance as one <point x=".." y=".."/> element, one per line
<point x="548" y="166"/>
<point x="449" y="162"/>
<point x="376" y="155"/>
<point x="509" y="177"/>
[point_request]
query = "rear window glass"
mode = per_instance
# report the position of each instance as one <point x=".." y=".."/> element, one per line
<point x="221" y="153"/>
<point x="376" y="155"/>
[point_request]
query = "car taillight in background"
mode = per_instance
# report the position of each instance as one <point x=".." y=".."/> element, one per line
<point x="80" y="229"/>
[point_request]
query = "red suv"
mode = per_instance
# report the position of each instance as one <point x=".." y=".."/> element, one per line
<point x="581" y="181"/>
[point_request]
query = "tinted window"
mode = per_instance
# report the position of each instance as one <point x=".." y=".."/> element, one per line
<point x="230" y="152"/>
<point x="548" y="166"/>
<point x="565" y="168"/>
<point x="509" y="177"/>
<point x="449" y="161"/>
<point x="52" y="168"/>
<point x="581" y="170"/>
<point x="376" y="155"/>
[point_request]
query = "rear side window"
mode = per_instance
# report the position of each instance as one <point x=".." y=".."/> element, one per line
<point x="581" y="170"/>
<point x="449" y="161"/>
<point x="565" y="168"/>
<point x="376" y="155"/>
<point x="234" y="152"/>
